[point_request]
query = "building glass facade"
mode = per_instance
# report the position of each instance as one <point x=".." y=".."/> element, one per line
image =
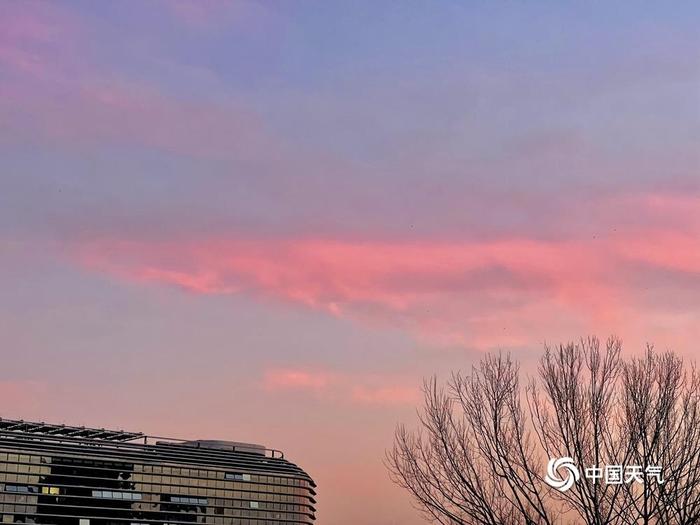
<point x="57" y="475"/>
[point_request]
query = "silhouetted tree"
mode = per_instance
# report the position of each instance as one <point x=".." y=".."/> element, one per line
<point x="484" y="440"/>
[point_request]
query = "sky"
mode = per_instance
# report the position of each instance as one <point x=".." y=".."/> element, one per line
<point x="269" y="221"/>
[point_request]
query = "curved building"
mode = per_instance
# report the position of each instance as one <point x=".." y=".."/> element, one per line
<point x="60" y="475"/>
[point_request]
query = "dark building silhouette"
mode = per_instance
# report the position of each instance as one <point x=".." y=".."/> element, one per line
<point x="60" y="475"/>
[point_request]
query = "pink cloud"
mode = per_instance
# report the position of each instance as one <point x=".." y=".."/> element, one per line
<point x="343" y="387"/>
<point x="294" y="379"/>
<point x="387" y="395"/>
<point x="114" y="111"/>
<point x="669" y="250"/>
<point x="29" y="32"/>
<point x="485" y="293"/>
<point x="62" y="97"/>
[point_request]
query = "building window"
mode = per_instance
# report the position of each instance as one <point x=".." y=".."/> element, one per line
<point x="114" y="494"/>
<point x="188" y="500"/>
<point x="25" y="489"/>
<point x="237" y="476"/>
<point x="254" y="505"/>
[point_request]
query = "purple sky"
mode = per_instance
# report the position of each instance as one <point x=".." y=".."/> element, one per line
<point x="268" y="221"/>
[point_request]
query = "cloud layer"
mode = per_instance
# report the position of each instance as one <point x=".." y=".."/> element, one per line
<point x="485" y="294"/>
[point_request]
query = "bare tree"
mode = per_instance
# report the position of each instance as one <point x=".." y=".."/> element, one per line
<point x="484" y="441"/>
